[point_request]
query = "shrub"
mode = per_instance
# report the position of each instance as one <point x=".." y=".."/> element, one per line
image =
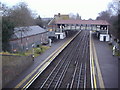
<point x="38" y="51"/>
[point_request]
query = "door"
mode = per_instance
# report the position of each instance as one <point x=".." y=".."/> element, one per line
<point x="104" y="38"/>
<point x="58" y="36"/>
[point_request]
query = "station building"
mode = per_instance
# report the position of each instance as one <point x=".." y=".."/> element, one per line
<point x="56" y="31"/>
<point x="62" y="23"/>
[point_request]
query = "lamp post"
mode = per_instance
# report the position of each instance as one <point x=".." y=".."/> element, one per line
<point x="33" y="52"/>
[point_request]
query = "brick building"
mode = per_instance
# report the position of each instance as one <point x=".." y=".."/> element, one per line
<point x="24" y="37"/>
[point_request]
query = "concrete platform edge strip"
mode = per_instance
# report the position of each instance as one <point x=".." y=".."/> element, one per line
<point x="91" y="57"/>
<point x="93" y="70"/>
<point x="44" y="65"/>
<point x="101" y="82"/>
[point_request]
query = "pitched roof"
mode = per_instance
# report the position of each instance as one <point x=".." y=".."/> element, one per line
<point x="27" y="31"/>
<point x="91" y="22"/>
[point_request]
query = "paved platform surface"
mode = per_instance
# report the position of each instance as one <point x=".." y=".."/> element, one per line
<point x="37" y="61"/>
<point x="108" y="63"/>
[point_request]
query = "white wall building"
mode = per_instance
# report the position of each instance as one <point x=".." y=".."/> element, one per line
<point x="104" y="37"/>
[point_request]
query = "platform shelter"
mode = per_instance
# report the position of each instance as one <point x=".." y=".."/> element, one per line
<point x="101" y="27"/>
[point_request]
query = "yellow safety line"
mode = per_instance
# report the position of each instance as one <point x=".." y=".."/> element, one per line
<point x="94" y="74"/>
<point x="101" y="82"/>
<point x="94" y="58"/>
<point x="41" y="69"/>
<point x="93" y="77"/>
<point x="93" y="69"/>
<point x="28" y="76"/>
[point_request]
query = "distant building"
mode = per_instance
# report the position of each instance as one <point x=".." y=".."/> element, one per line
<point x="47" y="19"/>
<point x="24" y="37"/>
<point x="61" y="17"/>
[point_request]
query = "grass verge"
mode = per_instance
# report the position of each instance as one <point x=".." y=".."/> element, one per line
<point x="37" y="51"/>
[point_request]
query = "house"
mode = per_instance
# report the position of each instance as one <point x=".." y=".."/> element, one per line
<point x="24" y="37"/>
<point x="61" y="17"/>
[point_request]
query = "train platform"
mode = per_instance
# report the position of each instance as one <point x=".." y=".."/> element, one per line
<point x="106" y="65"/>
<point x="38" y="63"/>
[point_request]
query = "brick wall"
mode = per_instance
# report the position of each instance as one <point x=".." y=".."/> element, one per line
<point x="28" y="41"/>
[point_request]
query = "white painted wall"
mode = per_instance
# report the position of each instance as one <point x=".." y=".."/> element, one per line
<point x="102" y="37"/>
<point x="62" y="35"/>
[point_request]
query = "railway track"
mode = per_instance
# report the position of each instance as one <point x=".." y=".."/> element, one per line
<point x="79" y="75"/>
<point x="70" y="70"/>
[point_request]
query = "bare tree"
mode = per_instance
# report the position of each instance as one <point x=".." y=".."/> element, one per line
<point x="3" y="9"/>
<point x="112" y="15"/>
<point x="21" y="15"/>
<point x="104" y="15"/>
<point x="38" y="21"/>
<point x="90" y="19"/>
<point x="72" y="16"/>
<point x="113" y="8"/>
<point x="78" y="16"/>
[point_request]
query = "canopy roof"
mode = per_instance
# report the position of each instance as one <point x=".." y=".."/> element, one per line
<point x="90" y="22"/>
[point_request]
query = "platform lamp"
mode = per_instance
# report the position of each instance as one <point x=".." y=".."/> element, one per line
<point x="33" y="51"/>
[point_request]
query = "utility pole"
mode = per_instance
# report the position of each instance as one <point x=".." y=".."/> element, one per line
<point x="33" y="51"/>
<point x="21" y="41"/>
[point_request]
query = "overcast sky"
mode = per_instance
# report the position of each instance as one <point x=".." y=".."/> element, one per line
<point x="47" y="8"/>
